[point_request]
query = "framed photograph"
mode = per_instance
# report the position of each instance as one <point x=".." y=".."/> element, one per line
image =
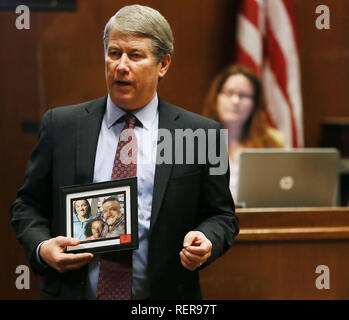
<point x="103" y="216"/>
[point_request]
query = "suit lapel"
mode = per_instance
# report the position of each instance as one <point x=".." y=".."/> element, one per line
<point x="89" y="125"/>
<point x="168" y="119"/>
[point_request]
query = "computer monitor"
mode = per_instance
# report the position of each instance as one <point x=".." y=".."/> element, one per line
<point x="306" y="177"/>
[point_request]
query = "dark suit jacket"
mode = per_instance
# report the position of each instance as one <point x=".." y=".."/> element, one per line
<point x="185" y="198"/>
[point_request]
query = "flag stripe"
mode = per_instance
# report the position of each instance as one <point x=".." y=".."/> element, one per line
<point x="278" y="66"/>
<point x="250" y="39"/>
<point x="245" y="59"/>
<point x="275" y="57"/>
<point x="279" y="108"/>
<point x="282" y="29"/>
<point x="250" y="11"/>
<point x="291" y="12"/>
<point x="268" y="45"/>
<point x="278" y="100"/>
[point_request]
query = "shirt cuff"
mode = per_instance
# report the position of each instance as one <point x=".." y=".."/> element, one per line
<point x="43" y="263"/>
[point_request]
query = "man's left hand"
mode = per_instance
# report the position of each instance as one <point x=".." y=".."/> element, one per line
<point x="196" y="250"/>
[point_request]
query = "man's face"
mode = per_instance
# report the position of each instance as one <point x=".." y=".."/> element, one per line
<point x="111" y="212"/>
<point x="131" y="70"/>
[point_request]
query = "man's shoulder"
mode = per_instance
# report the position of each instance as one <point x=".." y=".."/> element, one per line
<point x="79" y="108"/>
<point x="189" y="118"/>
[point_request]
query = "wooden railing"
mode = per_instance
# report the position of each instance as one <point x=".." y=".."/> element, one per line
<point x="276" y="254"/>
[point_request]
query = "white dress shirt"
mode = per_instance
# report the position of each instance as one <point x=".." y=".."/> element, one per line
<point x="146" y="159"/>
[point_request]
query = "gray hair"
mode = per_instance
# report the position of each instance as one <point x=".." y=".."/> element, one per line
<point x="137" y="19"/>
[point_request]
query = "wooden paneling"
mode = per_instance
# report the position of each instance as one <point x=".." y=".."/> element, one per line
<point x="277" y="252"/>
<point x="19" y="98"/>
<point x="325" y="63"/>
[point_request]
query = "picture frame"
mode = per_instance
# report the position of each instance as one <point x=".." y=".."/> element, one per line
<point x="103" y="216"/>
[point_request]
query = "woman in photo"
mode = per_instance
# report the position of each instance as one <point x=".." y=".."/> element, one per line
<point x="82" y="214"/>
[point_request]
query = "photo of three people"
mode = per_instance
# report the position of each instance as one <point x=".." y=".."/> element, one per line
<point x="99" y="217"/>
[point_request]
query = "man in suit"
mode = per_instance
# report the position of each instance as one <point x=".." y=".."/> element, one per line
<point x="186" y="215"/>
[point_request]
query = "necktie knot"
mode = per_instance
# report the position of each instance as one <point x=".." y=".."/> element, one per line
<point x="131" y="120"/>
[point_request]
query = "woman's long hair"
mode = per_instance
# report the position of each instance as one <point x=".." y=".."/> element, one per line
<point x="257" y="117"/>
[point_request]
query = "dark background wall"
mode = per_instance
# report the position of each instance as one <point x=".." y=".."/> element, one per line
<point x="60" y="61"/>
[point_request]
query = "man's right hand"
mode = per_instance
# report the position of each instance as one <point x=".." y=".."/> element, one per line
<point x="52" y="252"/>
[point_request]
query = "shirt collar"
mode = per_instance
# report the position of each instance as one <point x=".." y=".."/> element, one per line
<point x="145" y="115"/>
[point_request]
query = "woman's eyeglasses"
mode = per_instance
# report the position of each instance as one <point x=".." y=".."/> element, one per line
<point x="242" y="96"/>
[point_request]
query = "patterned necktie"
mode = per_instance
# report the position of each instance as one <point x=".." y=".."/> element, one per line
<point x="115" y="274"/>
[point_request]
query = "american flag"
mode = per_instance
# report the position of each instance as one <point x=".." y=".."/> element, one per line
<point x="267" y="44"/>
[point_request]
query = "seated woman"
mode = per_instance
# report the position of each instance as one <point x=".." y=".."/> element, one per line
<point x="234" y="100"/>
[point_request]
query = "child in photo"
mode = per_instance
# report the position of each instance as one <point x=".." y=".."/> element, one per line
<point x="94" y="229"/>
